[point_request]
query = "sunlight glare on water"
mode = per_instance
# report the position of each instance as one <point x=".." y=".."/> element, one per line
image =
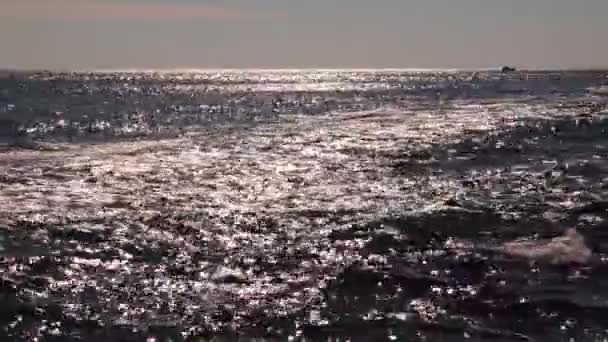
<point x="303" y="205"/>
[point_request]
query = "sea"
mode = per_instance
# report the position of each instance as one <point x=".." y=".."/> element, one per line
<point x="304" y="205"/>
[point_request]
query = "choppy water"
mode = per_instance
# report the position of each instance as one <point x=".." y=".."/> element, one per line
<point x="304" y="206"/>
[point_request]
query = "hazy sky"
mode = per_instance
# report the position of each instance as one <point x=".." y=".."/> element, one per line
<point x="78" y="34"/>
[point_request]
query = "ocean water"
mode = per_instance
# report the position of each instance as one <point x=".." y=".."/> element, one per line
<point x="319" y="205"/>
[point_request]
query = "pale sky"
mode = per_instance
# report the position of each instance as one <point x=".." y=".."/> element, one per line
<point x="122" y="34"/>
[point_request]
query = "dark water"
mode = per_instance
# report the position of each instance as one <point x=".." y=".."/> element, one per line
<point x="304" y="206"/>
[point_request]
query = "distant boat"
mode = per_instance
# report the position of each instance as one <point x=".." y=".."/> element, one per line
<point x="507" y="69"/>
<point x="602" y="90"/>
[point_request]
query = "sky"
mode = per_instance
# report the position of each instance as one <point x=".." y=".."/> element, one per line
<point x="169" y="34"/>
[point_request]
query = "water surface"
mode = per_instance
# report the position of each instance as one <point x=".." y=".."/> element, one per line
<point x="303" y="206"/>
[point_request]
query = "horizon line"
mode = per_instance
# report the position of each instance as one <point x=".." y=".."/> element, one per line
<point x="281" y="69"/>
